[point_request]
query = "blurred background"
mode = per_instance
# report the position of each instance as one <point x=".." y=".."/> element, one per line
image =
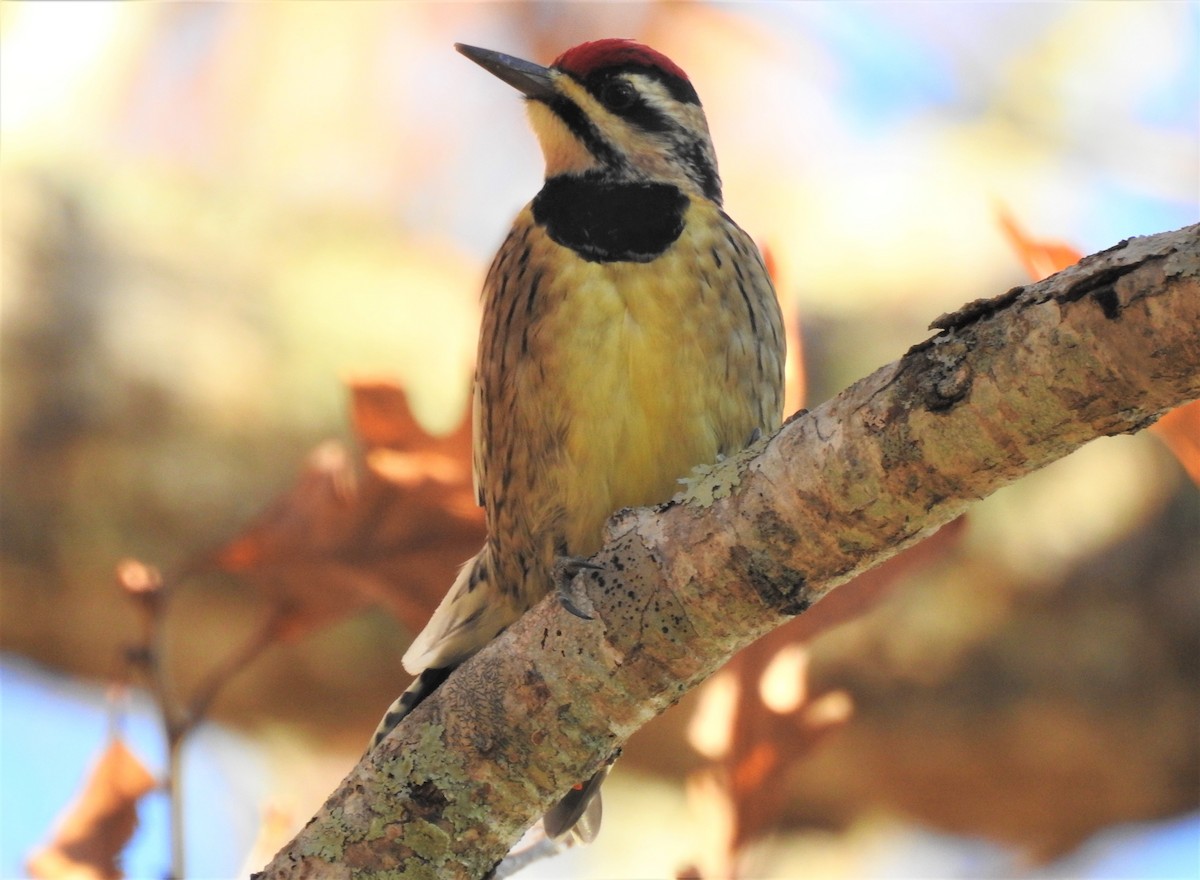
<point x="242" y="247"/>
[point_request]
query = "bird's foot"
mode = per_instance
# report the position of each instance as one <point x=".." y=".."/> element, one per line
<point x="571" y="594"/>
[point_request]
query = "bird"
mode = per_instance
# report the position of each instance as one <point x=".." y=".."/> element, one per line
<point x="630" y="333"/>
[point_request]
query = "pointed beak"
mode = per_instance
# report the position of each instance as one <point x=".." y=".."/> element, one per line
<point x="531" y="80"/>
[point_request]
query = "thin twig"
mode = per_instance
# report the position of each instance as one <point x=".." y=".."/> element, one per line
<point x="152" y="592"/>
<point x="181" y="723"/>
<point x="261" y="639"/>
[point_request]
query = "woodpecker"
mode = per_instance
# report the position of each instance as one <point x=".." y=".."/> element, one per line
<point x="630" y="333"/>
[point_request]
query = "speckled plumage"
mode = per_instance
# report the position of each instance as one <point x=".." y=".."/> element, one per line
<point x="630" y="333"/>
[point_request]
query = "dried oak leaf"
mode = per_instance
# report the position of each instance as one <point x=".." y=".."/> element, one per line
<point x="1180" y="431"/>
<point x="99" y="823"/>
<point x="1040" y="257"/>
<point x="1033" y="715"/>
<point x="390" y="532"/>
<point x="793" y="376"/>
<point x="760" y="719"/>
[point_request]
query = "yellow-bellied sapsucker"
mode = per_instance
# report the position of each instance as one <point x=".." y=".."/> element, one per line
<point x="630" y="333"/>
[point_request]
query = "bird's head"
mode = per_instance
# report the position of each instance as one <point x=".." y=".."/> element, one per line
<point x="615" y="108"/>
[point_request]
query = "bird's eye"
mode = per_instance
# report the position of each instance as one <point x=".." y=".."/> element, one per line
<point x="618" y="95"/>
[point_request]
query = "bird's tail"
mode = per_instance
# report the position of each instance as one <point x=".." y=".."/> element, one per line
<point x="473" y="612"/>
<point x="424" y="685"/>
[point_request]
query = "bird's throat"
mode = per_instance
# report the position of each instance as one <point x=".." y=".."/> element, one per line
<point x="605" y="220"/>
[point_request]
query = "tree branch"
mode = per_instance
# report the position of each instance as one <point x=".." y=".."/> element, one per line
<point x="1008" y="385"/>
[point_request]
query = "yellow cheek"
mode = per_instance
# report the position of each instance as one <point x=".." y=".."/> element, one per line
<point x="563" y="151"/>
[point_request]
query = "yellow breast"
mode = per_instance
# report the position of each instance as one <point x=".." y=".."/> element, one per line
<point x="659" y="368"/>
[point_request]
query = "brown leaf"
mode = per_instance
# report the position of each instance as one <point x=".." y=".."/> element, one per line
<point x="1031" y="714"/>
<point x="1180" y="430"/>
<point x="389" y="532"/>
<point x="794" y="380"/>
<point x="97" y="826"/>
<point x="382" y="418"/>
<point x="1040" y="257"/>
<point x="759" y="719"/>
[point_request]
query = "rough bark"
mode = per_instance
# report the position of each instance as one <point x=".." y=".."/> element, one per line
<point x="1007" y="385"/>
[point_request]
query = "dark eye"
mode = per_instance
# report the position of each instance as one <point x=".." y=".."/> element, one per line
<point x="618" y="95"/>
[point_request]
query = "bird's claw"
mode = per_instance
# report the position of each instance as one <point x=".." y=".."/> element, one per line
<point x="571" y="597"/>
